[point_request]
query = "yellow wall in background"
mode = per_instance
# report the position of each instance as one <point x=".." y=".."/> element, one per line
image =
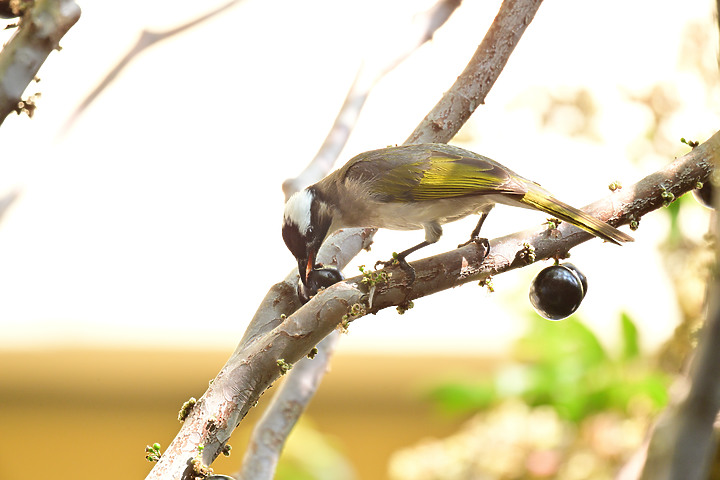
<point x="86" y="414"/>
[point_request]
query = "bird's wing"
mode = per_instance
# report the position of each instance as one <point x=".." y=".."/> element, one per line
<point x="405" y="174"/>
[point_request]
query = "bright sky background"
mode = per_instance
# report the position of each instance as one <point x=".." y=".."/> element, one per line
<point x="156" y="220"/>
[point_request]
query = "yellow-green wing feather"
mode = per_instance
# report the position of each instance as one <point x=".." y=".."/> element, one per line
<point x="418" y="174"/>
<point x="541" y="200"/>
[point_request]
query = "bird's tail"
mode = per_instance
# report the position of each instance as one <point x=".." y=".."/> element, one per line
<point x="542" y="201"/>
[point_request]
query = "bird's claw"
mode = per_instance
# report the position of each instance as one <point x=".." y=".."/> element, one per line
<point x="480" y="242"/>
<point x="385" y="263"/>
<point x="399" y="261"/>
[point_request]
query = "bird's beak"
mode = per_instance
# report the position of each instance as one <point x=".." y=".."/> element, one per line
<point x="305" y="267"/>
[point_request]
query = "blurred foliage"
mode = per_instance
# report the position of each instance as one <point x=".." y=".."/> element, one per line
<point x="564" y="408"/>
<point x="311" y="455"/>
<point x="513" y="441"/>
<point x="564" y="366"/>
<point x="688" y="260"/>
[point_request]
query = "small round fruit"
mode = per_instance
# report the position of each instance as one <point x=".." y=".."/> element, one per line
<point x="557" y="291"/>
<point x="580" y="275"/>
<point x="324" y="277"/>
<point x="704" y="194"/>
<point x="319" y="277"/>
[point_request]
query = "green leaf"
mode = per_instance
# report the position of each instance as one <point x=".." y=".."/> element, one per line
<point x="647" y="388"/>
<point x="462" y="397"/>
<point x="564" y="365"/>
<point x="566" y="341"/>
<point x="630" y="338"/>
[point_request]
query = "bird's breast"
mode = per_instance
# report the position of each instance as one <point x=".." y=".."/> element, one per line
<point x="413" y="215"/>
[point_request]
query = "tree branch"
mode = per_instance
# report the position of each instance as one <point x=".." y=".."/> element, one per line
<point x="388" y="52"/>
<point x="694" y="444"/>
<point x="474" y="83"/>
<point x="38" y="34"/>
<point x="232" y="394"/>
<point x="466" y="264"/>
<point x="682" y="444"/>
<point x="147" y="39"/>
<point x="255" y="365"/>
<point x="289" y="402"/>
<point x="7" y="200"/>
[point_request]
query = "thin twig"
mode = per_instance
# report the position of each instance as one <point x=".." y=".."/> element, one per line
<point x="6" y="201"/>
<point x="390" y="50"/>
<point x="146" y="40"/>
<point x="38" y="34"/>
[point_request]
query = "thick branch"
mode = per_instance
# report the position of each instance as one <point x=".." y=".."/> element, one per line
<point x="278" y="420"/>
<point x="233" y="392"/>
<point x="475" y="82"/>
<point x="288" y="403"/>
<point x="683" y="443"/>
<point x="254" y="366"/>
<point x="281" y="299"/>
<point x="693" y="446"/>
<point x="466" y="264"/>
<point x="39" y="33"/>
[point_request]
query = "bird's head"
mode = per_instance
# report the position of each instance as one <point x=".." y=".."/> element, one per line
<point x="306" y="222"/>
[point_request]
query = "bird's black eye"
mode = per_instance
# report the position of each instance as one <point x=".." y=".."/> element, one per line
<point x="310" y="230"/>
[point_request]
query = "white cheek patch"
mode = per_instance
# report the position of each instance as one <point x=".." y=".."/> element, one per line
<point x="297" y="210"/>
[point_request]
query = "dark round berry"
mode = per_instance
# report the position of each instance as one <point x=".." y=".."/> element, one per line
<point x="557" y="291"/>
<point x="324" y="277"/>
<point x="580" y="275"/>
<point x="704" y="194"/>
<point x="319" y="277"/>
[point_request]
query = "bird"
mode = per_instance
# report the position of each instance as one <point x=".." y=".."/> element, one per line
<point x="412" y="187"/>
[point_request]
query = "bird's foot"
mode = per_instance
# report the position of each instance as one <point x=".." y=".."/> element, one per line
<point x="480" y="242"/>
<point x="399" y="260"/>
